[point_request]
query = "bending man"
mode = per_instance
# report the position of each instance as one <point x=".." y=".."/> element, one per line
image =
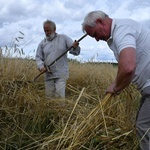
<point x="130" y="42"/>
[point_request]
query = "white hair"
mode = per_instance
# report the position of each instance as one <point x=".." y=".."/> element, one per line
<point x="91" y="17"/>
<point x="53" y="25"/>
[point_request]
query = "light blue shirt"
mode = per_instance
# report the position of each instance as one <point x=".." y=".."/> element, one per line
<point x="48" y="51"/>
<point x="129" y="33"/>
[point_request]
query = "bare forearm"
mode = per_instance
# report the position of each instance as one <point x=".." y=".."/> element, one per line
<point x="123" y="80"/>
<point x="126" y="69"/>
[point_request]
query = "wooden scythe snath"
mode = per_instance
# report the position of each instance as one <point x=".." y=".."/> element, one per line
<point x="58" y="58"/>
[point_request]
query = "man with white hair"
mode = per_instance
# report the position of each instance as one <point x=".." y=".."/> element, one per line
<point x="130" y="42"/>
<point x="49" y="49"/>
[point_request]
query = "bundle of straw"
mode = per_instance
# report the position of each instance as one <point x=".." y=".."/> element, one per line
<point x="100" y="121"/>
<point x="85" y="129"/>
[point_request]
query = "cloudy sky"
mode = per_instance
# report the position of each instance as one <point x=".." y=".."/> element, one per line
<point x="21" y="23"/>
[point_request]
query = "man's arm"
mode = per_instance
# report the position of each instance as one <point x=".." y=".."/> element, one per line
<point x="40" y="59"/>
<point x="126" y="70"/>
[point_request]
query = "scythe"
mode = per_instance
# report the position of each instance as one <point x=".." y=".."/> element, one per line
<point x="48" y="66"/>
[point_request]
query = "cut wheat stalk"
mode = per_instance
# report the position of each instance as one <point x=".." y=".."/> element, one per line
<point x="83" y="128"/>
<point x="59" y="143"/>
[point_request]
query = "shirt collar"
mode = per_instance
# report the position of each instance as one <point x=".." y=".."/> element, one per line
<point x="113" y="25"/>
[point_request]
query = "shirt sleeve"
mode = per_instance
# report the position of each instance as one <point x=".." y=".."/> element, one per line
<point x="39" y="57"/>
<point x="125" y="37"/>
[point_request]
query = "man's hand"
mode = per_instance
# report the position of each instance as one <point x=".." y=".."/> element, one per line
<point x="42" y="69"/>
<point x="75" y="44"/>
<point x="111" y="89"/>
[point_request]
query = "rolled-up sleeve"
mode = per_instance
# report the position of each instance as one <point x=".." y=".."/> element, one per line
<point x="75" y="51"/>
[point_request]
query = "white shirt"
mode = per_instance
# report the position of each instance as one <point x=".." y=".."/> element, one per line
<point x="129" y="33"/>
<point x="48" y="51"/>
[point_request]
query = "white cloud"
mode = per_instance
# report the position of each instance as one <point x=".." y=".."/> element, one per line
<point x="27" y="16"/>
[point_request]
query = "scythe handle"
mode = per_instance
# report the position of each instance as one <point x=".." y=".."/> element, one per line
<point x="59" y="57"/>
<point x="39" y="74"/>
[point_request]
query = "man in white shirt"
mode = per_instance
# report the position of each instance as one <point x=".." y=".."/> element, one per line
<point x="130" y="42"/>
<point x="49" y="49"/>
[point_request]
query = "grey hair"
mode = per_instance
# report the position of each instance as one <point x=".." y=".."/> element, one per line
<point x="91" y="17"/>
<point x="53" y="25"/>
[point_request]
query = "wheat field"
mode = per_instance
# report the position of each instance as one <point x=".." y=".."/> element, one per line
<point x="87" y="119"/>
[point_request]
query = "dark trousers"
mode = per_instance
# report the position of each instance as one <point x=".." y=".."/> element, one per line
<point x="143" y="120"/>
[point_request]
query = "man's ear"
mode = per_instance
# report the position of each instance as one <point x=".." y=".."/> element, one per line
<point x="99" y="20"/>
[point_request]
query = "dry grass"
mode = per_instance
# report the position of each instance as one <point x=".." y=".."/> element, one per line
<point x="87" y="120"/>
